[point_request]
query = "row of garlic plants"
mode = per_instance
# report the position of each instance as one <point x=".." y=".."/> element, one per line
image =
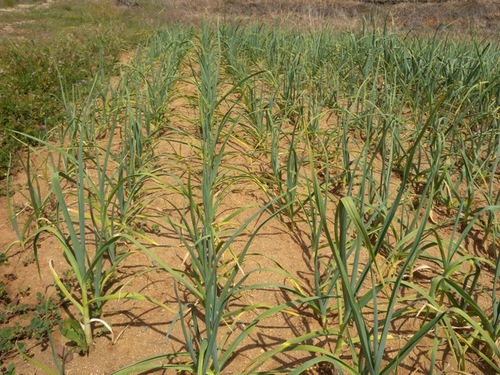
<point x="421" y="112"/>
<point x="384" y="149"/>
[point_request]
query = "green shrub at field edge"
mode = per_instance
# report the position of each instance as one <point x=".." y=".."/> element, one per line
<point x="30" y="84"/>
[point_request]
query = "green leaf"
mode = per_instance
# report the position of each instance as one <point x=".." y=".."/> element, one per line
<point x="72" y="330"/>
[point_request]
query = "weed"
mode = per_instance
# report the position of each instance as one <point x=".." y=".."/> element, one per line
<point x="44" y="315"/>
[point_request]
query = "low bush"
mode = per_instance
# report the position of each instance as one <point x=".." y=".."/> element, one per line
<point x="31" y="75"/>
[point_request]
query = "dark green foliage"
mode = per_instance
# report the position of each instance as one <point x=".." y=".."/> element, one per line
<point x="10" y="369"/>
<point x="31" y="75"/>
<point x="72" y="330"/>
<point x="42" y="317"/>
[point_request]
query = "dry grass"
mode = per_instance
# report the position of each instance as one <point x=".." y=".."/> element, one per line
<point x="478" y="17"/>
<point x="460" y="18"/>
